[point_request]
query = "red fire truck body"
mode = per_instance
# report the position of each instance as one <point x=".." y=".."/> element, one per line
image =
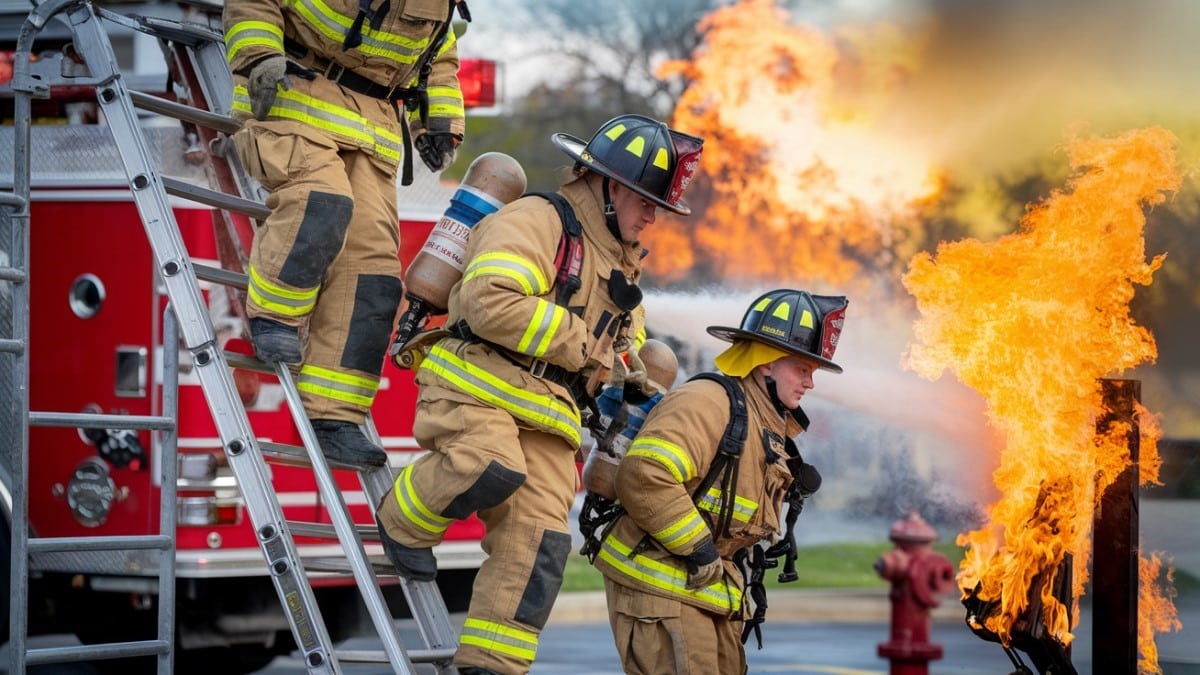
<point x="96" y="344"/>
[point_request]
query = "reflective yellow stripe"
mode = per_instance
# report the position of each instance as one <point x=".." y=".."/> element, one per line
<point x="413" y="508"/>
<point x="252" y="33"/>
<point x="543" y="410"/>
<point x="542" y="328"/>
<point x="446" y="102"/>
<point x="743" y="509"/>
<point x="399" y="48"/>
<point x="338" y="386"/>
<point x="495" y="637"/>
<point x="358" y="130"/>
<point x="682" y="532"/>
<point x="278" y="299"/>
<point x="520" y="270"/>
<point x="720" y="595"/>
<point x="671" y="456"/>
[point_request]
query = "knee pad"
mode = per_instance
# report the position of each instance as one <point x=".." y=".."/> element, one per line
<point x="493" y="486"/>
<point x="376" y="298"/>
<point x="318" y="240"/>
<point x="545" y="579"/>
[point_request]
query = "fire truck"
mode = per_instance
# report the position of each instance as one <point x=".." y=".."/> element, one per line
<point x="92" y="275"/>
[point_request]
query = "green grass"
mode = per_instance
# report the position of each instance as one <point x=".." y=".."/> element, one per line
<point x="826" y="566"/>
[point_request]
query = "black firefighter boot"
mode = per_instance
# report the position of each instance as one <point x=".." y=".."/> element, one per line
<point x="274" y="341"/>
<point x="344" y="442"/>
<point x="417" y="564"/>
<point x="475" y="670"/>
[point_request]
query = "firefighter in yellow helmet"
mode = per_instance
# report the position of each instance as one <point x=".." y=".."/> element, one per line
<point x="674" y="563"/>
<point x="501" y="396"/>
<point x="330" y="94"/>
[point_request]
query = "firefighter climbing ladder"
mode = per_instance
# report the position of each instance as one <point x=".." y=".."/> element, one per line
<point x="197" y="62"/>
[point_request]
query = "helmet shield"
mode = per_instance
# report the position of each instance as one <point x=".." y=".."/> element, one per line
<point x="642" y="154"/>
<point x="794" y="321"/>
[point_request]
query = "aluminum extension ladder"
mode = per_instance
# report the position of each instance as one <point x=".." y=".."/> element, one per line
<point x="196" y="61"/>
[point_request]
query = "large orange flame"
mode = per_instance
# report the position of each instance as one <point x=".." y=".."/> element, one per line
<point x="1033" y="321"/>
<point x="801" y="184"/>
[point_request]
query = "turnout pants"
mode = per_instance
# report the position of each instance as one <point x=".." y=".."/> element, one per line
<point x="521" y="482"/>
<point x="327" y="257"/>
<point x="655" y="635"/>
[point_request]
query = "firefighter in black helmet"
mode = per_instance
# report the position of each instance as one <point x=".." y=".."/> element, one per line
<point x="675" y="565"/>
<point x="501" y="393"/>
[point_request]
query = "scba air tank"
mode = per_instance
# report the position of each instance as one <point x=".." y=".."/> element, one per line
<point x="493" y="180"/>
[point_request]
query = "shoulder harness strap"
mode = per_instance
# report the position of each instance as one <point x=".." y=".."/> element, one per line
<point x="729" y="452"/>
<point x="568" y="260"/>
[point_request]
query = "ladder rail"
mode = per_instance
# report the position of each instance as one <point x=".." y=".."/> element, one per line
<point x="196" y="62"/>
<point x="347" y="531"/>
<point x="23" y="545"/>
<point x="98" y="69"/>
<point x="18" y="252"/>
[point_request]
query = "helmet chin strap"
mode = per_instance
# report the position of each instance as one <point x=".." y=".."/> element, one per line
<point x="796" y="413"/>
<point x="610" y="212"/>
<point x="774" y="393"/>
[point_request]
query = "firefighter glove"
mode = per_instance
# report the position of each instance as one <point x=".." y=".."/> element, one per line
<point x="265" y="79"/>
<point x="638" y="386"/>
<point x="437" y="145"/>
<point x="704" y="566"/>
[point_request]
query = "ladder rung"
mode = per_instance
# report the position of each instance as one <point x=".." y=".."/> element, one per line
<point x="414" y="655"/>
<point x="295" y="455"/>
<point x="185" y="33"/>
<point x="77" y="653"/>
<point x="12" y="199"/>
<point x="340" y="565"/>
<point x="117" y="543"/>
<point x="214" y="198"/>
<point x="101" y="421"/>
<point x="220" y="275"/>
<point x="9" y="346"/>
<point x="326" y="531"/>
<point x="12" y="274"/>
<point x="247" y="362"/>
<point x="180" y="111"/>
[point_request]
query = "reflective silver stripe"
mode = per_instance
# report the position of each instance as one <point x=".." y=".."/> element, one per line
<point x="413" y="508"/>
<point x="336" y="120"/>
<point x="743" y="509"/>
<point x="337" y="386"/>
<point x="495" y="637"/>
<point x="544" y="411"/>
<point x="542" y="328"/>
<point x="520" y="270"/>
<point x="252" y="33"/>
<point x="720" y="595"/>
<point x="666" y="453"/>
<point x="401" y="49"/>
<point x="678" y="535"/>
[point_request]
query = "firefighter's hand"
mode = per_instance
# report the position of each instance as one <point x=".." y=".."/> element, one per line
<point x="265" y="79"/>
<point x="437" y="145"/>
<point x="704" y="566"/>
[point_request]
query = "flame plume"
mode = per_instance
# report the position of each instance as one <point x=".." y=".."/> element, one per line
<point x="1033" y="321"/>
<point x="798" y="180"/>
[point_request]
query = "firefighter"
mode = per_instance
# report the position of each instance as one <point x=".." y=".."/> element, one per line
<point x="501" y="394"/>
<point x="329" y="95"/>
<point x="671" y="563"/>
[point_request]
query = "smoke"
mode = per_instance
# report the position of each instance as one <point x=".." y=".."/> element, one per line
<point x="884" y="439"/>
<point x="1000" y="81"/>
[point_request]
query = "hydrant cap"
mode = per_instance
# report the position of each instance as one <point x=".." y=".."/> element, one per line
<point x="912" y="529"/>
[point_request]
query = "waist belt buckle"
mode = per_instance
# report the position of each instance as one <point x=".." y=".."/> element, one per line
<point x="538" y="368"/>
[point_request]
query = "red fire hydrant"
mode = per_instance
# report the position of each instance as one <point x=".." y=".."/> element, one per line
<point x="918" y="575"/>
